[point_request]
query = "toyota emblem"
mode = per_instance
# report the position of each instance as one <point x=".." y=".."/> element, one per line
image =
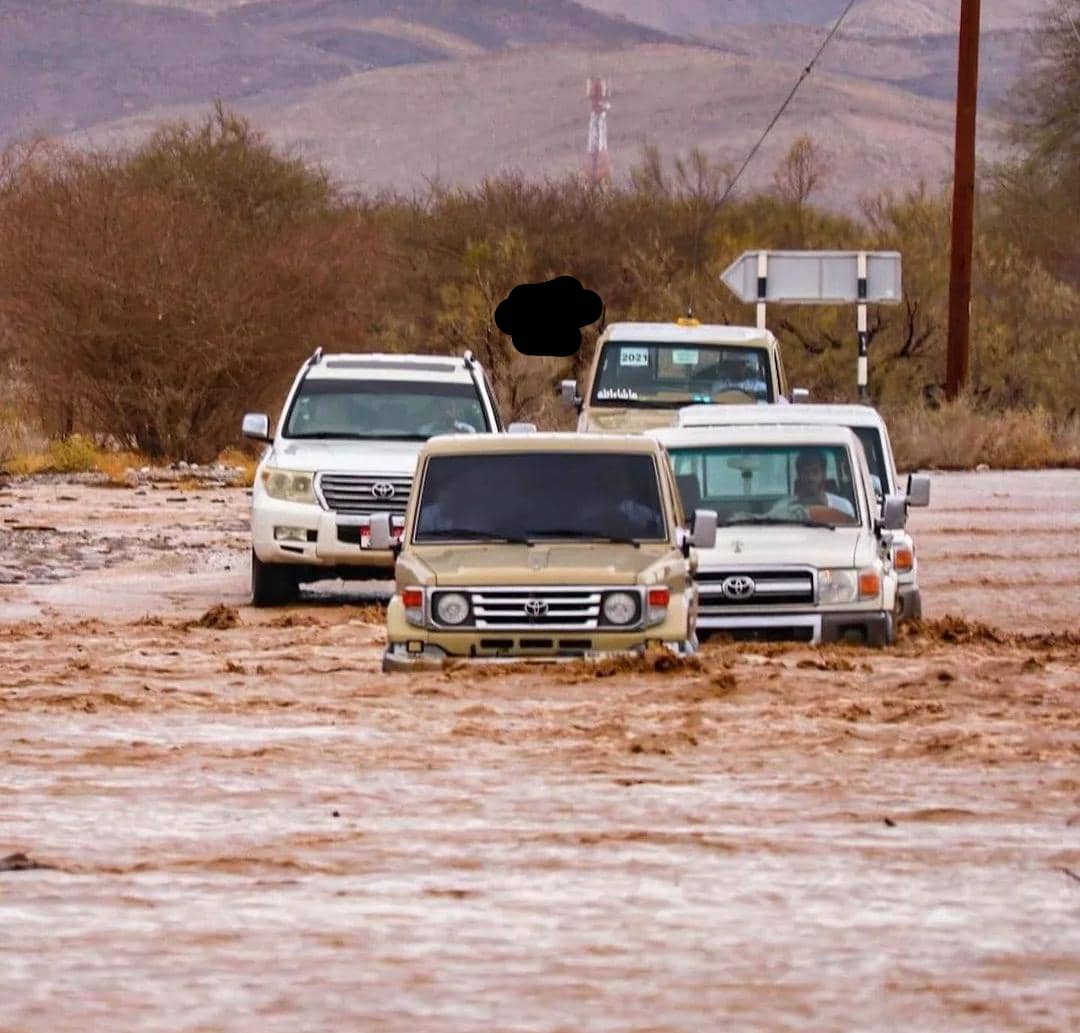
<point x="738" y="586"/>
<point x="536" y="608"/>
<point x="382" y="490"/>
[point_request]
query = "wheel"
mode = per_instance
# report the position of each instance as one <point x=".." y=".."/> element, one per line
<point x="272" y="584"/>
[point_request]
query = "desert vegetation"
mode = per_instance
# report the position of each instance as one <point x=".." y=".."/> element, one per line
<point x="149" y="297"/>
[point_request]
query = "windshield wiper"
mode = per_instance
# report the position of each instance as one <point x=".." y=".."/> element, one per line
<point x="798" y="522"/>
<point x="344" y="435"/>
<point x="476" y="534"/>
<point x="579" y="533"/>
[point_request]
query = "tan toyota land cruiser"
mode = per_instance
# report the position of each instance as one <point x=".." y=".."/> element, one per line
<point x="541" y="546"/>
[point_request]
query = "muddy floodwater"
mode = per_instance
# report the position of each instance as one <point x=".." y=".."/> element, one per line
<point x="215" y="818"/>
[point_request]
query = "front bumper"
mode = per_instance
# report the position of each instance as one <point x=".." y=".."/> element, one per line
<point x="909" y="602"/>
<point x="540" y="642"/>
<point x="397" y="658"/>
<point x="869" y="627"/>
<point x="331" y="539"/>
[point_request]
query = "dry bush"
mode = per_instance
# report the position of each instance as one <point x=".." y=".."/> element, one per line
<point x="156" y="295"/>
<point x="162" y="304"/>
<point x="958" y="435"/>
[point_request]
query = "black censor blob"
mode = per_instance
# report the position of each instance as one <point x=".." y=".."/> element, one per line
<point x="546" y="318"/>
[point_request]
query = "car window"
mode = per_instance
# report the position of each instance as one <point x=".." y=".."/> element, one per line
<point x="870" y="439"/>
<point x="554" y="495"/>
<point x="775" y="482"/>
<point x="347" y="408"/>
<point x="663" y="374"/>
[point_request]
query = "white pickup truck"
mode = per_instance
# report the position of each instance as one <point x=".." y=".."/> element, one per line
<point x="345" y="449"/>
<point x="643" y="373"/>
<point x="802" y="549"/>
<point x="872" y="433"/>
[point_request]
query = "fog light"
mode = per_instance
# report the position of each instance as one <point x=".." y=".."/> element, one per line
<point x="414" y="647"/>
<point x="290" y="534"/>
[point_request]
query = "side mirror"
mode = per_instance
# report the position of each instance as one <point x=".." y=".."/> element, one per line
<point x="894" y="512"/>
<point x="256" y="425"/>
<point x="703" y="533"/>
<point x="381" y="535"/>
<point x="879" y="491"/>
<point x="800" y="394"/>
<point x="568" y="392"/>
<point x="918" y="489"/>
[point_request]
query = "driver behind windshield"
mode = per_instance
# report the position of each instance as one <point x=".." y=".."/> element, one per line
<point x="810" y="490"/>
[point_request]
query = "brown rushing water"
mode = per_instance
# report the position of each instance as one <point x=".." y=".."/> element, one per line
<point x="249" y="827"/>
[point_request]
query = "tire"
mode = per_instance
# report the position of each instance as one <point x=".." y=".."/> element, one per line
<point x="272" y="584"/>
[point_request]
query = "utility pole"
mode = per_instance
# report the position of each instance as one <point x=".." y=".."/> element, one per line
<point x="967" y="90"/>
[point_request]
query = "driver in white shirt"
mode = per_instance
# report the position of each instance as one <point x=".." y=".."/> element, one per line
<point x="810" y="485"/>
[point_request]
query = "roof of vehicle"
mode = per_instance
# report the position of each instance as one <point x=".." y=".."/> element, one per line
<point x="703" y="333"/>
<point x="389" y="366"/>
<point x="800" y="412"/>
<point x="753" y="434"/>
<point x="551" y="441"/>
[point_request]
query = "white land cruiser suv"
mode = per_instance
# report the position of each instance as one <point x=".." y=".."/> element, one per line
<point x="871" y="431"/>
<point x="345" y="449"/>
<point x="802" y="549"/>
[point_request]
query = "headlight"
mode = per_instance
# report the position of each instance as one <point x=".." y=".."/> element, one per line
<point x="620" y="608"/>
<point x="838" y="585"/>
<point x="289" y="485"/>
<point x="452" y="608"/>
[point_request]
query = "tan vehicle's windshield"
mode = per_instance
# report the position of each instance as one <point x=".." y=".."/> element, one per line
<point x="751" y="484"/>
<point x="656" y="374"/>
<point x="540" y="495"/>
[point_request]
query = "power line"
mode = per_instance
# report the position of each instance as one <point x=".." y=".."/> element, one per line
<point x="753" y="150"/>
<point x="787" y="100"/>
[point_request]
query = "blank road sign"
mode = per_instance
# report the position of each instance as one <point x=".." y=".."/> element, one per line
<point x="816" y="277"/>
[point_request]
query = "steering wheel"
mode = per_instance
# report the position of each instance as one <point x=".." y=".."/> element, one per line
<point x="828" y="515"/>
<point x="732" y="396"/>
<point x="467" y="428"/>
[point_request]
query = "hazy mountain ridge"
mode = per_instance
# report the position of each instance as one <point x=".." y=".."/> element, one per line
<point x="391" y="92"/>
<point x="69" y="64"/>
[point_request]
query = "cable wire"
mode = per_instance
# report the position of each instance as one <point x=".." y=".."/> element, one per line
<point x="787" y="100"/>
<point x="768" y="129"/>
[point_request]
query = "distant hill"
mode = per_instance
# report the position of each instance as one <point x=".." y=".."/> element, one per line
<point x="68" y="64"/>
<point x="392" y="92"/>
<point x="910" y="43"/>
<point x="868" y="17"/>
<point x="526" y="112"/>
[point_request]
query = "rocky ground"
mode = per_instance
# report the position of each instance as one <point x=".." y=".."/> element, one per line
<point x="217" y="818"/>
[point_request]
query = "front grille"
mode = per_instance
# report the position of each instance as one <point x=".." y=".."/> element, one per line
<point x="528" y="608"/>
<point x="363" y="493"/>
<point x="792" y="587"/>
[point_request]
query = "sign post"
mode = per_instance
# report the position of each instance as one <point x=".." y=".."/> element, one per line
<point x="819" y="278"/>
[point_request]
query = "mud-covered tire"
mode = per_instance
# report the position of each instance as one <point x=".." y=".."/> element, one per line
<point x="273" y="584"/>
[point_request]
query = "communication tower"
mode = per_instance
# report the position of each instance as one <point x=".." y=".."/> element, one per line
<point x="597" y="160"/>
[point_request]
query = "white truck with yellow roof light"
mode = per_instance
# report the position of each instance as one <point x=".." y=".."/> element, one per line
<point x="643" y="373"/>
